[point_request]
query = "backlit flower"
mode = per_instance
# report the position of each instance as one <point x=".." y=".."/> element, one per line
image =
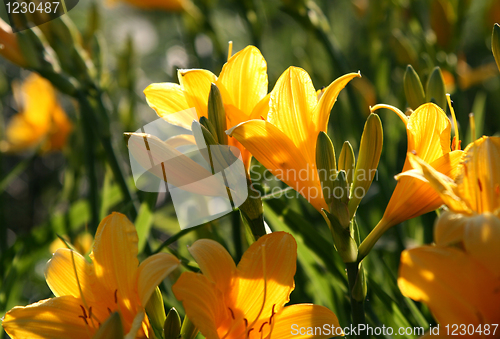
<point x="247" y="301"/>
<point x="87" y="293"/>
<point x="41" y="120"/>
<point x="9" y="47"/>
<point x="242" y="83"/>
<point x="285" y="143"/>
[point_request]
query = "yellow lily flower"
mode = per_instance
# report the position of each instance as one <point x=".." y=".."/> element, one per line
<point x="87" y="293"/>
<point x="242" y="83"/>
<point x="246" y="301"/>
<point x="429" y="136"/>
<point x="41" y="119"/>
<point x="9" y="47"/>
<point x="459" y="277"/>
<point x="285" y="143"/>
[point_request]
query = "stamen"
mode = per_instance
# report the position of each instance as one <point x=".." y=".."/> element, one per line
<point x="272" y="315"/>
<point x="403" y="116"/>
<point x="480" y="185"/>
<point x="232" y="313"/>
<point x="248" y="333"/>
<point x="116" y="296"/>
<point x="230" y="50"/>
<point x="472" y="124"/>
<point x="83" y="310"/>
<point x="246" y="322"/>
<point x="90" y="312"/>
<point x="84" y="319"/>
<point x="262" y="326"/>
<point x="457" y="144"/>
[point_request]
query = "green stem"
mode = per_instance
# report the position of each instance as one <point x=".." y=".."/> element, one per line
<point x="357" y="308"/>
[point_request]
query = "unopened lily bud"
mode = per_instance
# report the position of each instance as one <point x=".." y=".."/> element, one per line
<point x="210" y="128"/>
<point x="370" y="150"/>
<point x="436" y="90"/>
<point x="326" y="165"/>
<point x="495" y="44"/>
<point x="156" y="311"/>
<point x="111" y="329"/>
<point x="340" y="199"/>
<point x="414" y="90"/>
<point x="36" y="50"/>
<point x="9" y="46"/>
<point x="172" y="326"/>
<point x="217" y="114"/>
<point x="188" y="329"/>
<point x="347" y="161"/>
<point x="344" y="243"/>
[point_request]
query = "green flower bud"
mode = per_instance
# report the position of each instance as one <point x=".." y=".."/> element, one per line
<point x="495" y="44"/>
<point x="326" y="165"/>
<point x="436" y="90"/>
<point x="346" y="161"/>
<point x="360" y="290"/>
<point x="217" y="114"/>
<point x="111" y="329"/>
<point x="172" y="326"/>
<point x="156" y="311"/>
<point x="188" y="329"/>
<point x="368" y="158"/>
<point x="414" y="91"/>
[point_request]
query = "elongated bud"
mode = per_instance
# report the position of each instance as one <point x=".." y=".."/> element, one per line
<point x="37" y="52"/>
<point x="346" y="161"/>
<point x="340" y="199"/>
<point x="326" y="165"/>
<point x="414" y="90"/>
<point x="370" y="150"/>
<point x="211" y="129"/>
<point x="172" y="326"/>
<point x="495" y="44"/>
<point x="360" y="290"/>
<point x="217" y="114"/>
<point x="436" y="90"/>
<point x="111" y="329"/>
<point x="156" y="311"/>
<point x="204" y="139"/>
<point x="344" y="243"/>
<point x="188" y="329"/>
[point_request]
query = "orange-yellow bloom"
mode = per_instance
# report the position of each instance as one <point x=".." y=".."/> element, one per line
<point x="247" y="301"/>
<point x="285" y="143"/>
<point x="41" y="119"/>
<point x="87" y="293"/>
<point x="459" y="277"/>
<point x="9" y="47"/>
<point x="242" y="83"/>
<point x="429" y="133"/>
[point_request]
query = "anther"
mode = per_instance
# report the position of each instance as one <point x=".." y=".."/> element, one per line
<point x="90" y="312"/>
<point x="246" y="322"/>
<point x="248" y="333"/>
<point x="84" y="319"/>
<point x="116" y="296"/>
<point x="83" y="310"/>
<point x="232" y="313"/>
<point x="262" y="326"/>
<point x="109" y="310"/>
<point x="272" y="315"/>
<point x="479" y="184"/>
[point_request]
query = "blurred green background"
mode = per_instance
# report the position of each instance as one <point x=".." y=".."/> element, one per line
<point x="45" y="195"/>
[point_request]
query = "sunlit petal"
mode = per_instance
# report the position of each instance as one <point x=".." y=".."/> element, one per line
<point x="167" y="99"/>
<point x="151" y="273"/>
<point x="196" y="86"/>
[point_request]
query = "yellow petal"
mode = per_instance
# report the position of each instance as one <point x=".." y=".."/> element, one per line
<point x="456" y="288"/>
<point x="56" y="318"/>
<point x="284" y="160"/>
<point x="429" y="132"/>
<point x="450" y="228"/>
<point x="151" y="273"/>
<point x="293" y="100"/>
<point x="479" y="181"/>
<point x="265" y="276"/>
<point x="21" y="134"/>
<point x="115" y="256"/>
<point x="215" y="262"/>
<point x="180" y="140"/>
<point x="167" y="99"/>
<point x="38" y="100"/>
<point x="322" y="111"/>
<point x="196" y="86"/>
<point x="61" y="278"/>
<point x="244" y="78"/>
<point x="60" y="130"/>
<point x="481" y="241"/>
<point x="202" y="301"/>
<point x="305" y="318"/>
